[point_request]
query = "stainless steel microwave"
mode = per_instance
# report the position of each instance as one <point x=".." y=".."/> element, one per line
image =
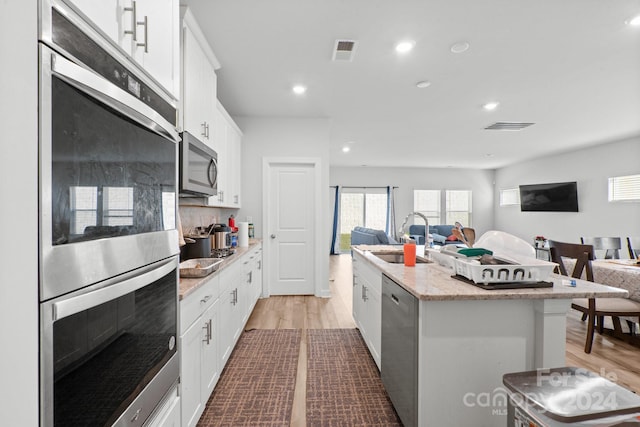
<point x="198" y="167"/>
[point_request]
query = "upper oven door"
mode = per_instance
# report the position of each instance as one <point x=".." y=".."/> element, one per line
<point x="108" y="179"/>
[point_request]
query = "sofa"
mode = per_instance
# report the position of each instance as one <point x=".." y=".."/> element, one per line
<point x="441" y="234"/>
<point x="370" y="236"/>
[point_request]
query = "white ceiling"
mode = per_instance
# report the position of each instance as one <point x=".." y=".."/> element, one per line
<point x="570" y="66"/>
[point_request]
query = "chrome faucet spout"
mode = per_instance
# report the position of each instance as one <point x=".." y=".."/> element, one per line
<point x="426" y="229"/>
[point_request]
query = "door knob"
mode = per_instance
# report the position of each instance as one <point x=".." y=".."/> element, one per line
<point x="273" y="236"/>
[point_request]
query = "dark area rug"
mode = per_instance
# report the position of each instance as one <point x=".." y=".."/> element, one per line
<point x="256" y="387"/>
<point x="343" y="382"/>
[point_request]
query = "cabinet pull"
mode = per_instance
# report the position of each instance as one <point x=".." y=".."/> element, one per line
<point x="134" y="20"/>
<point x="260" y="265"/>
<point x="207" y="332"/>
<point x="250" y="277"/>
<point x="205" y="299"/>
<point x="364" y="294"/>
<point x="146" y="35"/>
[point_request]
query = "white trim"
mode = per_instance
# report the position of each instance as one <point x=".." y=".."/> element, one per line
<point x="190" y="21"/>
<point x="316" y="162"/>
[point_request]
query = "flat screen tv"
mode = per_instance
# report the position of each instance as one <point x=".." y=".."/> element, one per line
<point x="554" y="197"/>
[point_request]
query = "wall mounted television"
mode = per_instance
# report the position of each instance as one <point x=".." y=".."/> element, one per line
<point x="554" y="197"/>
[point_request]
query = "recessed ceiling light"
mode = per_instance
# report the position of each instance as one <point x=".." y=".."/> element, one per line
<point x="490" y="106"/>
<point x="299" y="89"/>
<point x="346" y="149"/>
<point x="635" y="21"/>
<point x="423" y="84"/>
<point x="405" y="46"/>
<point x="460" y="47"/>
<point x="489" y="155"/>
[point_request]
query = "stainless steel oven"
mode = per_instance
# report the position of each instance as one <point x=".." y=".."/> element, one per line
<point x="108" y="240"/>
<point x="109" y="351"/>
<point x="108" y="156"/>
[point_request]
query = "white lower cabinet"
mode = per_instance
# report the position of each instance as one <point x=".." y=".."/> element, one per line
<point x="232" y="302"/>
<point x="367" y="308"/>
<point x="212" y="317"/>
<point x="199" y="368"/>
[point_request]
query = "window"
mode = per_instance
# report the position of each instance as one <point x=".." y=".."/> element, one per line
<point x="624" y="188"/>
<point x="361" y="207"/>
<point x="84" y="208"/>
<point x="510" y="197"/>
<point x="427" y="202"/>
<point x="458" y="207"/>
<point x="443" y="207"/>
<point x="118" y="205"/>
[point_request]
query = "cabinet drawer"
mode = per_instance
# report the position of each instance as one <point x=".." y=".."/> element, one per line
<point x="194" y="304"/>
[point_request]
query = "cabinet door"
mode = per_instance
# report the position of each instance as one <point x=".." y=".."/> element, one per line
<point x="156" y="47"/>
<point x="226" y="330"/>
<point x="234" y="148"/>
<point x="169" y="414"/>
<point x="190" y="373"/>
<point x="106" y="15"/>
<point x="210" y="372"/>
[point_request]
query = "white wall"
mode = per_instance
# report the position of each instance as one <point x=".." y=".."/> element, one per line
<point x="283" y="137"/>
<point x="590" y="167"/>
<point x="480" y="182"/>
<point x="19" y="214"/>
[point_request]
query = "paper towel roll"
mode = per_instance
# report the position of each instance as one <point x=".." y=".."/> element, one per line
<point x="243" y="234"/>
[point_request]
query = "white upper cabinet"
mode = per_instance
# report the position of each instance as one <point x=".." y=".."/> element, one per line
<point x="157" y="42"/>
<point x="227" y="139"/>
<point x="198" y="83"/>
<point x="146" y="30"/>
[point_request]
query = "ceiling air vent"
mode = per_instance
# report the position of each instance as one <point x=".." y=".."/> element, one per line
<point x="344" y="50"/>
<point x="508" y="126"/>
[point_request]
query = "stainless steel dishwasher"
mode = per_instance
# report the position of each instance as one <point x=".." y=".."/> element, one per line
<point x="399" y="361"/>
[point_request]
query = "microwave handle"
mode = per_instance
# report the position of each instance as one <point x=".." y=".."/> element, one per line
<point x="212" y="172"/>
<point x="110" y="290"/>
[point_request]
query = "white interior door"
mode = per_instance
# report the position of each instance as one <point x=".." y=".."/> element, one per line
<point x="290" y="232"/>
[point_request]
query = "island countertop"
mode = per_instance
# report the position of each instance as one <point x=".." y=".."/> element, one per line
<point x="434" y="282"/>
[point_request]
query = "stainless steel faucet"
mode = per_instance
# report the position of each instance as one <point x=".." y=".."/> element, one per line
<point x="426" y="228"/>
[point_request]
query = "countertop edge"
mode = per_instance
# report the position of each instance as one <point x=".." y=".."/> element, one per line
<point x="450" y="289"/>
<point x="188" y="285"/>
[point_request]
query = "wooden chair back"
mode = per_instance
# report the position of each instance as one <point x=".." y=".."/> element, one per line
<point x="583" y="254"/>
<point x="611" y="245"/>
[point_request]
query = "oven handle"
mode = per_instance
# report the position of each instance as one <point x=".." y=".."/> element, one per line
<point x="110" y="94"/>
<point x="113" y="288"/>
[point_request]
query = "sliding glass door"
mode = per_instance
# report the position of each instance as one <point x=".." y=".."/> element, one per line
<point x="361" y="207"/>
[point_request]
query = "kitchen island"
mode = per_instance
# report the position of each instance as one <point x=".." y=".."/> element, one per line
<point x="467" y="337"/>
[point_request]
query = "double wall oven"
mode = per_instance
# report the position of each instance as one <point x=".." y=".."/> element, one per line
<point x="108" y="238"/>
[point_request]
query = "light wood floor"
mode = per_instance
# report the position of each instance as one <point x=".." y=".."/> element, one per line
<point x="612" y="358"/>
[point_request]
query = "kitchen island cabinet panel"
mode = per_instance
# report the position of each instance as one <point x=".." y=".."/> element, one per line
<point x="468" y="337"/>
<point x="367" y="312"/>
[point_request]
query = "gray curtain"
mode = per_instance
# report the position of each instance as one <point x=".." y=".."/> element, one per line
<point x="335" y="231"/>
<point x="391" y="213"/>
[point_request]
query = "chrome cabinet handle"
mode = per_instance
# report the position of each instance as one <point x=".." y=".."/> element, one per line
<point x="134" y="20"/>
<point x="364" y="294"/>
<point x="146" y="35"/>
<point x="207" y="334"/>
<point x="273" y="236"/>
<point x="204" y="129"/>
<point x="205" y="299"/>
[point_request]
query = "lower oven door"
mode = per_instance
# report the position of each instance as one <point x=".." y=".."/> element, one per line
<point x="109" y="352"/>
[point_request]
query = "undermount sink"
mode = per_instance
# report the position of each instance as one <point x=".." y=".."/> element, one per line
<point x="398" y="258"/>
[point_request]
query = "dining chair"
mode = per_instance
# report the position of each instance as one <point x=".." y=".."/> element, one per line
<point x="611" y="245"/>
<point x="592" y="310"/>
<point x="633" y="244"/>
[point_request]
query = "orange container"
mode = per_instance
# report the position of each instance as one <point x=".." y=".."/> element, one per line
<point x="409" y="254"/>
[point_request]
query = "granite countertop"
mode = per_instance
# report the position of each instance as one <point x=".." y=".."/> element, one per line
<point x="188" y="285"/>
<point x="433" y="282"/>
